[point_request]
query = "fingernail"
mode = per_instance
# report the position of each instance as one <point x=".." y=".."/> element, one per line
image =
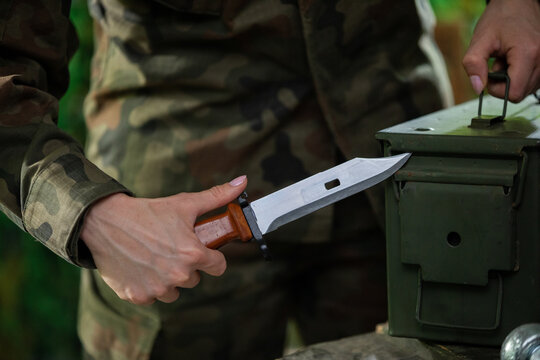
<point x="476" y="83"/>
<point x="238" y="181"/>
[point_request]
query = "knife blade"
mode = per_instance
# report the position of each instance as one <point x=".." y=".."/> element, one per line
<point x="246" y="221"/>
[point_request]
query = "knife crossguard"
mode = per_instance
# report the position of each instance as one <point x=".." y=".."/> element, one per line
<point x="252" y="222"/>
<point x="236" y="223"/>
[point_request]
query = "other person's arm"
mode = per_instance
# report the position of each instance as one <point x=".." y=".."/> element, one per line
<point x="508" y="30"/>
<point x="47" y="185"/>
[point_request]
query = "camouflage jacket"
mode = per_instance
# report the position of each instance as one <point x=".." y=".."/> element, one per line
<point x="46" y="183"/>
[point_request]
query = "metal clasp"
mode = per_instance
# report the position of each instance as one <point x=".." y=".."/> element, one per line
<point x="486" y="121"/>
<point x="252" y="222"/>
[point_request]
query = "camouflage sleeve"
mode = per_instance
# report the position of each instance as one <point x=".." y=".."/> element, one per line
<point x="46" y="183"/>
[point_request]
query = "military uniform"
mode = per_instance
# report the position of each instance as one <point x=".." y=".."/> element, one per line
<point x="188" y="94"/>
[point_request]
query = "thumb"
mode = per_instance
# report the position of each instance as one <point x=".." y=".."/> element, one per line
<point x="219" y="195"/>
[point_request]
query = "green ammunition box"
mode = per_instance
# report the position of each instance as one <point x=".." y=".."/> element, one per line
<point x="463" y="223"/>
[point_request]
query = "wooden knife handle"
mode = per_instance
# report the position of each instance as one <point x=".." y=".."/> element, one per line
<point x="224" y="228"/>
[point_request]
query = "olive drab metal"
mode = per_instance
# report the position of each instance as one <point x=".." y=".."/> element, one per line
<point x="463" y="229"/>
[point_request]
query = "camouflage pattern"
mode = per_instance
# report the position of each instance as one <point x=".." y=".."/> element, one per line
<point x="186" y="94"/>
<point x="46" y="183"/>
<point x="191" y="94"/>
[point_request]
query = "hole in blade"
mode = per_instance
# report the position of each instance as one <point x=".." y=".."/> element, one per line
<point x="332" y="184"/>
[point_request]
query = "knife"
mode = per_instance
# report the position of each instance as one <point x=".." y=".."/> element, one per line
<point x="246" y="221"/>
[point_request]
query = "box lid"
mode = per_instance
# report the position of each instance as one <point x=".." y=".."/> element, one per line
<point x="449" y="130"/>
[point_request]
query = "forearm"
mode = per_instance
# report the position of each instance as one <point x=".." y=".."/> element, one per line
<point x="46" y="184"/>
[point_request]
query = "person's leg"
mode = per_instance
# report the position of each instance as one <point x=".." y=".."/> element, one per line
<point x="241" y="315"/>
<point x="341" y="288"/>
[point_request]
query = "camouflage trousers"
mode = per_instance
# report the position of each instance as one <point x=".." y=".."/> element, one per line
<point x="274" y="89"/>
<point x="332" y="289"/>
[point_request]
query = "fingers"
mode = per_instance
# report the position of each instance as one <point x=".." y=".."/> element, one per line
<point x="155" y="287"/>
<point x="170" y="296"/>
<point x="498" y="88"/>
<point x="521" y="70"/>
<point x="149" y="297"/>
<point x="152" y="248"/>
<point x="475" y="61"/>
<point x="219" y="195"/>
<point x="520" y="67"/>
<point x="510" y="32"/>
<point x="214" y="264"/>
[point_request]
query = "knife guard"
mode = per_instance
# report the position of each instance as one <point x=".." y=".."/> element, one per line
<point x="221" y="229"/>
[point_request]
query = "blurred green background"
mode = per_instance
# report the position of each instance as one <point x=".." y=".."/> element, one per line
<point x="39" y="291"/>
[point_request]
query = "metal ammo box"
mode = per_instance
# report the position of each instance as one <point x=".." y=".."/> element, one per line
<point x="463" y="223"/>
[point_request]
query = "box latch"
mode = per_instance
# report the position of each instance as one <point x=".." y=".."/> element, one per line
<point x="487" y="121"/>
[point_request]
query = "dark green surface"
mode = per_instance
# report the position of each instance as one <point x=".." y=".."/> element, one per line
<point x="462" y="225"/>
<point x="459" y="211"/>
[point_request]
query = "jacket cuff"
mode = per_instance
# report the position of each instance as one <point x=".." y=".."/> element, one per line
<point x="58" y="198"/>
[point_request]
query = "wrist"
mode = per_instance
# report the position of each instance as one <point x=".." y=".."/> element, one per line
<point x="101" y="211"/>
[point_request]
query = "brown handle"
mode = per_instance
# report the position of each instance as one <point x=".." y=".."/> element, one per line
<point x="224" y="228"/>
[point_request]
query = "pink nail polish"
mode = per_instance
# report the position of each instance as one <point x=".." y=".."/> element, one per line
<point x="476" y="83"/>
<point x="238" y="181"/>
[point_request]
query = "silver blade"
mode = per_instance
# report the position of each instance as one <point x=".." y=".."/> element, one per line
<point x="322" y="189"/>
